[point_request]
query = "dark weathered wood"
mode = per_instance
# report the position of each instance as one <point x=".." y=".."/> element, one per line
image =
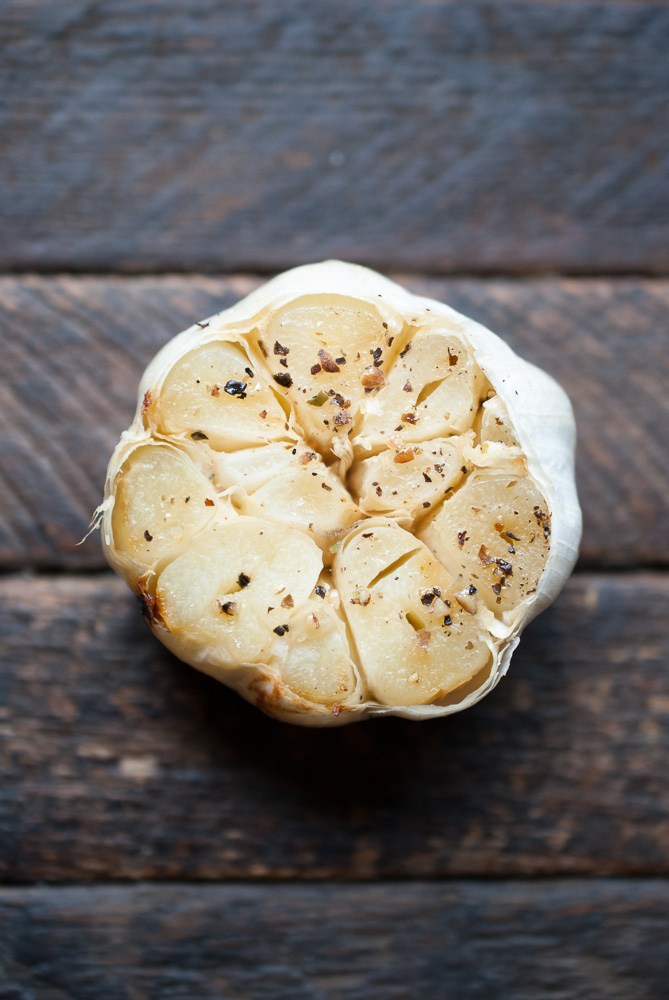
<point x="119" y="762"/>
<point x="73" y="350"/>
<point x="602" y="940"/>
<point x="451" y="136"/>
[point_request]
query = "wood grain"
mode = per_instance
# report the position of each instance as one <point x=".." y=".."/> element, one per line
<point x="484" y="136"/>
<point x="73" y="350"/>
<point x="472" y="940"/>
<point x="118" y="762"/>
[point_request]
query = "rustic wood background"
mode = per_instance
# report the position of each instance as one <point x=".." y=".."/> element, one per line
<point x="159" y="838"/>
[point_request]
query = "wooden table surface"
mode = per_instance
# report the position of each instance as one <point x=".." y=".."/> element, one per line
<point x="159" y="837"/>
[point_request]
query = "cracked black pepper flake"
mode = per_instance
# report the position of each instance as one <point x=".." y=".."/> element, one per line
<point x="280" y="349"/>
<point x="430" y="596"/>
<point x="228" y="608"/>
<point x="406" y="350"/>
<point x="243" y="580"/>
<point x="235" y="388"/>
<point x="315" y="369"/>
<point x="249" y="373"/>
<point x="281" y="629"/>
<point x="284" y="379"/>
<point x="148" y="536"/>
<point x="543" y="520"/>
<point x="199" y="436"/>
<point x="318" y="589"/>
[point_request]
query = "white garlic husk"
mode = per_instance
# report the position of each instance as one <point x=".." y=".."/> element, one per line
<point x="261" y="528"/>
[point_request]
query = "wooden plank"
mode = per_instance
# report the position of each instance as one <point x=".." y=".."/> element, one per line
<point x="567" y="940"/>
<point x="73" y="350"/>
<point x="480" y="136"/>
<point x="119" y="762"/>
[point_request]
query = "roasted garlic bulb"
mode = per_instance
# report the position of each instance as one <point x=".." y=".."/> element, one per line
<point x="344" y="500"/>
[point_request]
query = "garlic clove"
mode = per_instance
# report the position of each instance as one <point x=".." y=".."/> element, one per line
<point x="433" y="391"/>
<point x="407" y="480"/>
<point x="226" y="594"/>
<point x="315" y="661"/>
<point x="213" y="394"/>
<point x="161" y="502"/>
<point x="334" y="351"/>
<point x="413" y="638"/>
<point x="493" y="534"/>
<point x="291" y="485"/>
<point x="495" y="424"/>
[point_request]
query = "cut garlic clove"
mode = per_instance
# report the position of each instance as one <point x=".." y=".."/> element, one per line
<point x="161" y="501"/>
<point x="413" y="638"/>
<point x="214" y="394"/>
<point x="407" y="480"/>
<point x="291" y="486"/>
<point x="494" y="535"/>
<point x="432" y="391"/>
<point x="495" y="423"/>
<point x="326" y="354"/>
<point x="315" y="661"/>
<point x="233" y="594"/>
<point x="251" y="468"/>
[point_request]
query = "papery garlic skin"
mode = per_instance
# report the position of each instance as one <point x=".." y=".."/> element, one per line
<point x="344" y="500"/>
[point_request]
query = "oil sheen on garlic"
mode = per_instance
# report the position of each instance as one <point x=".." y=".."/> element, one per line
<point x="344" y="500"/>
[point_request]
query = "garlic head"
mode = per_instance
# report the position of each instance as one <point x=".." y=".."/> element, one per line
<point x="344" y="500"/>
